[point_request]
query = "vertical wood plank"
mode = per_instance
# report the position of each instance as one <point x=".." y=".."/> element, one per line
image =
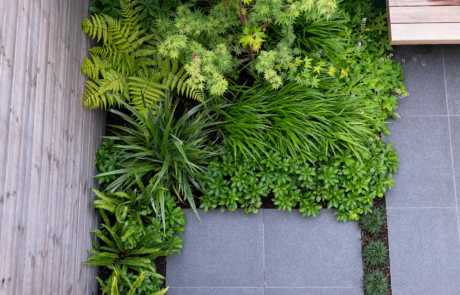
<point x="59" y="177"/>
<point x="7" y="55"/>
<point x="47" y="143"/>
<point x="36" y="233"/>
<point x="52" y="215"/>
<point x="82" y="233"/>
<point x="31" y="73"/>
<point x="12" y="229"/>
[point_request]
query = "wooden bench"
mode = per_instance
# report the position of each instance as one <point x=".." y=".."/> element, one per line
<point x="424" y="21"/>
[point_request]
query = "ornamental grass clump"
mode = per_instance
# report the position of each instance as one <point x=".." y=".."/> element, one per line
<point x="375" y="254"/>
<point x="162" y="152"/>
<point x="373" y="221"/>
<point x="297" y="121"/>
<point x="376" y="283"/>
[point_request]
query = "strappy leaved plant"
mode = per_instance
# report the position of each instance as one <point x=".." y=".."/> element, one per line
<point x="296" y="120"/>
<point x="166" y="153"/>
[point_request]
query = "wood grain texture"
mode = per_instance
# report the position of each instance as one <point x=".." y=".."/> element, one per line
<point x="47" y="142"/>
<point x="433" y="33"/>
<point x="424" y="3"/>
<point x="425" y="14"/>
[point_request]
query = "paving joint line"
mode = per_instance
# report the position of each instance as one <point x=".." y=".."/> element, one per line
<point x="263" y="246"/>
<point x="453" y="207"/>
<point x="450" y="141"/>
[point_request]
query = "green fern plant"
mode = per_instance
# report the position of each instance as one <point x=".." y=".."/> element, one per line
<point x="115" y="284"/>
<point x="123" y="205"/>
<point x="127" y="247"/>
<point x="127" y="66"/>
<point x="136" y="253"/>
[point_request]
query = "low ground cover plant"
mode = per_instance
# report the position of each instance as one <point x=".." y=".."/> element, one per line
<point x="342" y="181"/>
<point x="228" y="103"/>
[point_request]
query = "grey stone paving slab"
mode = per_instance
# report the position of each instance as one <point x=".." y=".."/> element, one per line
<point x="424" y="80"/>
<point x="425" y="176"/>
<point x="314" y="291"/>
<point x="224" y="250"/>
<point x="455" y="137"/>
<point x="311" y="252"/>
<point x="216" y="291"/>
<point x="451" y="55"/>
<point x="424" y="251"/>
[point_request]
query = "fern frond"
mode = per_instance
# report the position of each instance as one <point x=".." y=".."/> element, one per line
<point x="94" y="98"/>
<point x="113" y="81"/>
<point x="145" y="94"/>
<point x="139" y="262"/>
<point x="145" y="251"/>
<point x="93" y="68"/>
<point x="96" y="28"/>
<point x="161" y="292"/>
<point x="114" y="290"/>
<point x="136" y="284"/>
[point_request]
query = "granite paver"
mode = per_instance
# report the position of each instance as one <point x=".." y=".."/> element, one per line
<point x="423" y="215"/>
<point x="273" y="252"/>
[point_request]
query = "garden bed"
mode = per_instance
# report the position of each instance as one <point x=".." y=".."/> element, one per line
<point x="256" y="111"/>
<point x="381" y="236"/>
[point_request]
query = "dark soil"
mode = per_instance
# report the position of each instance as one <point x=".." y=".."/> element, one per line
<point x="268" y="203"/>
<point x="114" y="119"/>
<point x="366" y="237"/>
<point x="160" y="263"/>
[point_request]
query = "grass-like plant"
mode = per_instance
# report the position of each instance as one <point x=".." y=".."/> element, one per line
<point x="296" y="120"/>
<point x="161" y="152"/>
<point x="372" y="222"/>
<point x="375" y="254"/>
<point x="376" y="283"/>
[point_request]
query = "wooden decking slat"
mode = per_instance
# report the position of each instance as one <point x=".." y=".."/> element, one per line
<point x="27" y="253"/>
<point x="434" y="33"/>
<point x="12" y="227"/>
<point x="47" y="142"/>
<point x="425" y="14"/>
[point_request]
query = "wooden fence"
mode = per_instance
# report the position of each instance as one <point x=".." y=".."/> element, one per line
<point x="47" y="143"/>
